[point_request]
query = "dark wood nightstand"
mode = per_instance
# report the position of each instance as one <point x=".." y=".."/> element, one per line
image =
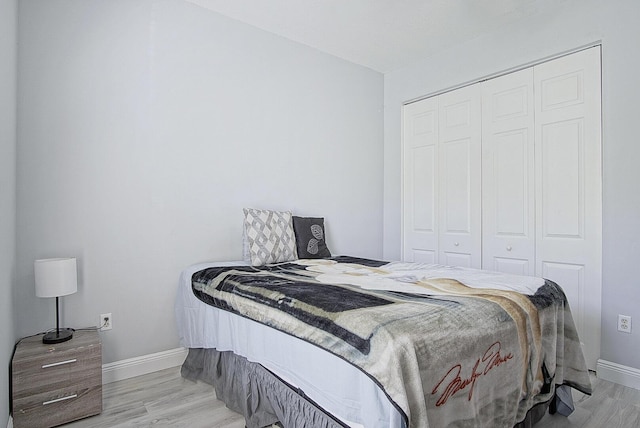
<point x="56" y="384"/>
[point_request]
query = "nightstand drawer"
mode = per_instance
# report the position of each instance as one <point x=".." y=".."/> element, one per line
<point x="56" y="371"/>
<point x="51" y="408"/>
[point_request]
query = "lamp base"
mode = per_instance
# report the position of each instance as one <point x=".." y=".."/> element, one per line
<point x="58" y="336"/>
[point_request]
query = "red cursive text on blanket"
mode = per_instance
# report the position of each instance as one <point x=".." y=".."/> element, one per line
<point x="491" y="358"/>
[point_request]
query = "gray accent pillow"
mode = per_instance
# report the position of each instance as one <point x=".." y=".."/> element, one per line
<point x="270" y="236"/>
<point x="310" y="238"/>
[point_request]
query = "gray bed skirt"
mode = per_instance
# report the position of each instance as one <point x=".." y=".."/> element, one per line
<point x="253" y="391"/>
<point x="264" y="399"/>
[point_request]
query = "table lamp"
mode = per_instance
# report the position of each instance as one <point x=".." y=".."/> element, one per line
<point x="55" y="278"/>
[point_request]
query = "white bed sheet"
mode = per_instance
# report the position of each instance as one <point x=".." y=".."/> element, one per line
<point x="334" y="384"/>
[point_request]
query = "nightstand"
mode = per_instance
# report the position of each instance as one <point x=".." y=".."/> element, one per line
<point x="59" y="383"/>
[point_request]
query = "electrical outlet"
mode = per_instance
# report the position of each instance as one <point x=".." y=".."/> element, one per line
<point x="624" y="323"/>
<point x="106" y="322"/>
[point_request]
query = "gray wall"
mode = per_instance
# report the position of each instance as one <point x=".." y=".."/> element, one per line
<point x="573" y="24"/>
<point x="8" y="48"/>
<point x="144" y="129"/>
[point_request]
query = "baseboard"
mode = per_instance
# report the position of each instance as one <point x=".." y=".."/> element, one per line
<point x="142" y="365"/>
<point x="627" y="376"/>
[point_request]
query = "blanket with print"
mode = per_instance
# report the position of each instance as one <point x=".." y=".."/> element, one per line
<point x="449" y="346"/>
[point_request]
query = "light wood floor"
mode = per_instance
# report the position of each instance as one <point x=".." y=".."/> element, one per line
<point x="610" y="406"/>
<point x="164" y="399"/>
<point x="161" y="399"/>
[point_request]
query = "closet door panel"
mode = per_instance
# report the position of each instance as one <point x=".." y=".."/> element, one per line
<point x="456" y="180"/>
<point x="569" y="189"/>
<point x="510" y="170"/>
<point x="563" y="180"/>
<point x="511" y="265"/>
<point x="456" y="203"/>
<point x="420" y="190"/>
<point x="508" y="208"/>
<point x="460" y="135"/>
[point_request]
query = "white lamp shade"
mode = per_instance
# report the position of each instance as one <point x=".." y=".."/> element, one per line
<point x="56" y="277"/>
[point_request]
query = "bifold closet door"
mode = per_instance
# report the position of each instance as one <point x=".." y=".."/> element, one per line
<point x="442" y="179"/>
<point x="569" y="186"/>
<point x="460" y="178"/>
<point x="534" y="137"/>
<point x="508" y="194"/>
<point x="420" y="181"/>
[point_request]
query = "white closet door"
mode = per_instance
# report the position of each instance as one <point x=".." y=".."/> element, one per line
<point x="420" y="190"/>
<point x="568" y="188"/>
<point x="460" y="222"/>
<point x="508" y="204"/>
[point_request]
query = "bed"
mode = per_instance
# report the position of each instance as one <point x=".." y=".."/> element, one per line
<point x="347" y="341"/>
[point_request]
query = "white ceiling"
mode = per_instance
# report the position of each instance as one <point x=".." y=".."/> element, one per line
<point x="383" y="35"/>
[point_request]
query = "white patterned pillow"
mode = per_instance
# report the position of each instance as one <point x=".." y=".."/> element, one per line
<point x="246" y="254"/>
<point x="270" y="235"/>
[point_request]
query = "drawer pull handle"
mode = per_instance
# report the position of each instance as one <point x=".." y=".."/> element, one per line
<point x="68" y="397"/>
<point x="46" y="366"/>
